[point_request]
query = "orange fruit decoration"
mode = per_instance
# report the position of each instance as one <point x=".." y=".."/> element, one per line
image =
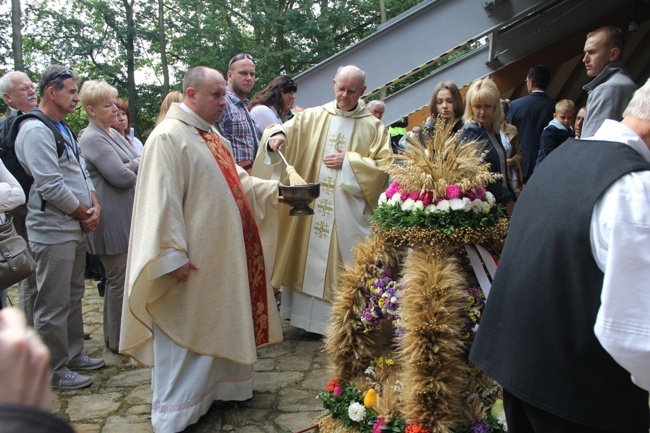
<point x="370" y="400"/>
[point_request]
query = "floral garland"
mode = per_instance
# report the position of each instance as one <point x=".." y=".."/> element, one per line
<point x="411" y="277"/>
<point x="471" y="208"/>
<point x="345" y="403"/>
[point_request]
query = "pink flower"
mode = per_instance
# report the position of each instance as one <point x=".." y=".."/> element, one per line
<point x="392" y="189"/>
<point x="453" y="191"/>
<point x="376" y="428"/>
<point x="337" y="391"/>
<point x="414" y="196"/>
<point x="426" y="197"/>
<point x="478" y="192"/>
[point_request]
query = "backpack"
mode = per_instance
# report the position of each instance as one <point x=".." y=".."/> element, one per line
<point x="9" y="131"/>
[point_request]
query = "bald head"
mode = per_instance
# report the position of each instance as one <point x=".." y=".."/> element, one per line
<point x="205" y="93"/>
<point x="349" y="86"/>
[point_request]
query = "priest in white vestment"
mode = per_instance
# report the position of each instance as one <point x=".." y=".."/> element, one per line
<point x="345" y="148"/>
<point x="198" y="299"/>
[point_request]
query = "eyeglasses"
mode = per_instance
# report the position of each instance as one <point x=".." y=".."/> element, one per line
<point x="240" y="56"/>
<point x="63" y="73"/>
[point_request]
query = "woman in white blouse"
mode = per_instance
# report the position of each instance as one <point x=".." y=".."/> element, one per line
<point x="11" y="196"/>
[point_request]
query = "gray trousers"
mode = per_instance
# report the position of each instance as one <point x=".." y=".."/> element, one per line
<point x="115" y="268"/>
<point x="57" y="311"/>
<point x="27" y="290"/>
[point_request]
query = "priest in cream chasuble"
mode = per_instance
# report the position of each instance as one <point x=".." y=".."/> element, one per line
<point x="197" y="301"/>
<point x="342" y="146"/>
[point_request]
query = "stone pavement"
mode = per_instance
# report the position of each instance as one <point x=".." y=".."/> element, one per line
<point x="288" y="377"/>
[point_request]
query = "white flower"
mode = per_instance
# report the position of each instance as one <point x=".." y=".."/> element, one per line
<point x="467" y="204"/>
<point x="356" y="412"/>
<point x="382" y="198"/>
<point x="490" y="198"/>
<point x="430" y="208"/>
<point x="408" y="205"/>
<point x="418" y="205"/>
<point x="443" y="205"/>
<point x="456" y="204"/>
<point x="501" y="419"/>
<point x="395" y="199"/>
<point x="477" y="205"/>
<point x="486" y="207"/>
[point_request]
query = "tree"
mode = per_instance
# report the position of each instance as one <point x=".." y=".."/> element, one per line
<point x="122" y="40"/>
<point x="163" y="46"/>
<point x="17" y="35"/>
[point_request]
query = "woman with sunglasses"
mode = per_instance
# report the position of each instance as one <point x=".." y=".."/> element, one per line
<point x="270" y="105"/>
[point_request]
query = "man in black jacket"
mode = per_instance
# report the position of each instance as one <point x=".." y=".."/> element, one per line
<point x="531" y="114"/>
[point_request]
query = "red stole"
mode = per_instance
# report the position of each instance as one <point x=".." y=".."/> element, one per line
<point x="252" y="242"/>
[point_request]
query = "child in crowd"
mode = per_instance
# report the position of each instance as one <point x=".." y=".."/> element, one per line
<point x="558" y="129"/>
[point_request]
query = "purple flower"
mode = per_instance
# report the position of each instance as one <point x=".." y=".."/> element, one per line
<point x="480" y="427"/>
<point x="337" y="391"/>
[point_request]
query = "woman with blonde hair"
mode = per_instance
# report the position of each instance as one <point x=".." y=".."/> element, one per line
<point x="483" y="117"/>
<point x="170" y="98"/>
<point x="112" y="164"/>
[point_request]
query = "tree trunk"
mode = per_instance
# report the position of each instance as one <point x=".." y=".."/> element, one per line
<point x="163" y="47"/>
<point x="130" y="65"/>
<point x="17" y="35"/>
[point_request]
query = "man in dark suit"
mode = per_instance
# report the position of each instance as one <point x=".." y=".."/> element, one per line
<point x="531" y="114"/>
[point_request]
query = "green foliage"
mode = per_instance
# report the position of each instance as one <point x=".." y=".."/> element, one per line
<point x="97" y="39"/>
<point x="391" y="215"/>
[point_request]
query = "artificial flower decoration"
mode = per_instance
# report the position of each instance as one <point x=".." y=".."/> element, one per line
<point x="407" y="311"/>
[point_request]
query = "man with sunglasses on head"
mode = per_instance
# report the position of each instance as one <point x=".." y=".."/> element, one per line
<point x="62" y="206"/>
<point x="236" y="123"/>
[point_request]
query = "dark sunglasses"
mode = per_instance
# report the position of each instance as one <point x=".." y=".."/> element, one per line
<point x="63" y="73"/>
<point x="240" y="56"/>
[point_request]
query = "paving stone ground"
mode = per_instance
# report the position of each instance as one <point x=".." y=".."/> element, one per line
<point x="288" y="377"/>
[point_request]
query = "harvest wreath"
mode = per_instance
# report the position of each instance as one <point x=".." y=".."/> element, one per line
<point x="407" y="311"/>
